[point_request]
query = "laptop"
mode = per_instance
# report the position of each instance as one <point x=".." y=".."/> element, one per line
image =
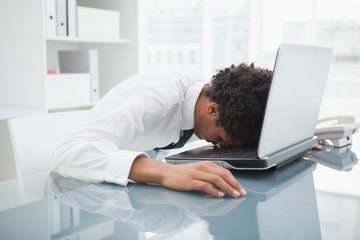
<point x="299" y="78"/>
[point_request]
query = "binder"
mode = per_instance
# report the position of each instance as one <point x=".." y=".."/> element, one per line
<point x="50" y="18"/>
<point x="61" y="19"/>
<point x="71" y="18"/>
<point x="82" y="61"/>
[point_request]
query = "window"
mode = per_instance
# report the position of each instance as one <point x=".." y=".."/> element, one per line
<point x="331" y="23"/>
<point x="205" y="36"/>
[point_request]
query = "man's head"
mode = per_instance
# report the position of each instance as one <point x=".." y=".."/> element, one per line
<point x="231" y="108"/>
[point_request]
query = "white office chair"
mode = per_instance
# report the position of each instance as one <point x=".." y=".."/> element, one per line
<point x="34" y="138"/>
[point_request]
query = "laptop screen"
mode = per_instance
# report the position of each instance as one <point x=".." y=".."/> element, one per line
<point x="295" y="96"/>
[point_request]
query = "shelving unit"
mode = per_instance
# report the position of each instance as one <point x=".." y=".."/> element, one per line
<point x="84" y="40"/>
<point x="27" y="53"/>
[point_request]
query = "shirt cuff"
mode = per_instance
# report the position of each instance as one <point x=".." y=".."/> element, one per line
<point x="118" y="168"/>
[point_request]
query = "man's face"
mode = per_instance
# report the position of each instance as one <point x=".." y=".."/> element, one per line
<point x="215" y="134"/>
<point x="206" y="125"/>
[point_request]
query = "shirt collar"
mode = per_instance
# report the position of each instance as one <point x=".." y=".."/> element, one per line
<point x="188" y="106"/>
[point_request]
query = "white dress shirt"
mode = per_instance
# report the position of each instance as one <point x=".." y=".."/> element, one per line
<point x="139" y="114"/>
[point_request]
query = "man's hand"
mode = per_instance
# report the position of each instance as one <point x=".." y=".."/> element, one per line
<point x="202" y="176"/>
<point x="318" y="147"/>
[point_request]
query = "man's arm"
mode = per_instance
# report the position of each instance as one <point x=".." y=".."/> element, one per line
<point x="203" y="176"/>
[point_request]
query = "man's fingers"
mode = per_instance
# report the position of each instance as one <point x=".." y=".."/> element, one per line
<point x="207" y="188"/>
<point x="318" y="147"/>
<point x="228" y="177"/>
<point x="204" y="176"/>
<point x="218" y="183"/>
<point x="222" y="179"/>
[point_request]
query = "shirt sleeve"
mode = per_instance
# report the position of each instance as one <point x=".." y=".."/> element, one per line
<point x="104" y="148"/>
<point x="98" y="151"/>
<point x="94" y="161"/>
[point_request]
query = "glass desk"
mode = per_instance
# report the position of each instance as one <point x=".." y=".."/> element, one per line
<point x="316" y="197"/>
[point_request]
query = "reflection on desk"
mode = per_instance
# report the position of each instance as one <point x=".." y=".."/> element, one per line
<point x="333" y="174"/>
<point x="339" y="158"/>
<point x="283" y="204"/>
<point x="279" y="204"/>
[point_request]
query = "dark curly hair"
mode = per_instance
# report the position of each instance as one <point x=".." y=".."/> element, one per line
<point x="241" y="94"/>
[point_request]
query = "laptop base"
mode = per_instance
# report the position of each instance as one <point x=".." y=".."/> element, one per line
<point x="275" y="160"/>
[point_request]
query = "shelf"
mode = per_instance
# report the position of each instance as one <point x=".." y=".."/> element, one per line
<point x="70" y="106"/>
<point x="7" y="112"/>
<point x="87" y="40"/>
<point x="118" y="55"/>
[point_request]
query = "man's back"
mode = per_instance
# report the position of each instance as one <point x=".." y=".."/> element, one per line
<point x="139" y="114"/>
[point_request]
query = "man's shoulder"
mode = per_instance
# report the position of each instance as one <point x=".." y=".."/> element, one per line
<point x="160" y="82"/>
<point x="165" y="79"/>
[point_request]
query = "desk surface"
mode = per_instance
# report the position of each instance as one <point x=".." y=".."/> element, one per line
<point x="307" y="199"/>
<point x="7" y="112"/>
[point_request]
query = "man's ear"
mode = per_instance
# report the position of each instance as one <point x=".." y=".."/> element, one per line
<point x="212" y="108"/>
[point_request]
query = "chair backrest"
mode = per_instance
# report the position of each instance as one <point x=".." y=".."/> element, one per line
<point x="34" y="138"/>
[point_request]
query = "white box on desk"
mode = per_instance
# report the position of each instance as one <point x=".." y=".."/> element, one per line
<point x="67" y="89"/>
<point x="98" y="23"/>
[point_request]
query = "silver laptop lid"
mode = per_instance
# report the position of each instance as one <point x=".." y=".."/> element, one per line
<point x="294" y="100"/>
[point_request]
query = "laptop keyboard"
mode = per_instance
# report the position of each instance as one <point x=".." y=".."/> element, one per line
<point x="237" y="153"/>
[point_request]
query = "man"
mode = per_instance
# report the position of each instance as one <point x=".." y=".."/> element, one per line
<point x="150" y="111"/>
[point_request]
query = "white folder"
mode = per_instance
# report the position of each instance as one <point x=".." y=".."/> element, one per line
<point x="71" y="17"/>
<point x="61" y="19"/>
<point x="50" y="18"/>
